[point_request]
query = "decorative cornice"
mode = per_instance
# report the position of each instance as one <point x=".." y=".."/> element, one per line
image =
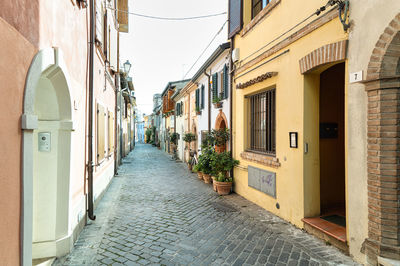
<point x="256" y="80"/>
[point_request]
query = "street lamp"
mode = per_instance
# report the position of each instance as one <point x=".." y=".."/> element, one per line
<point x="127" y="67"/>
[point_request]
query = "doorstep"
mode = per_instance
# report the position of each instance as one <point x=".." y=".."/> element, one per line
<point x="327" y="231"/>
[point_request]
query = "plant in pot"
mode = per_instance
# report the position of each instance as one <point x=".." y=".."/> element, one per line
<point x="217" y="101"/>
<point x="189" y="138"/>
<point x="205" y="159"/>
<point x="197" y="169"/>
<point x="198" y="110"/>
<point x="190" y="163"/>
<point x="221" y="164"/>
<point x="173" y="137"/>
<point x="221" y="136"/>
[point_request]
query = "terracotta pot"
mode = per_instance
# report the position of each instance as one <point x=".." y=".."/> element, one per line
<point x="190" y="167"/>
<point x="223" y="188"/>
<point x="200" y="175"/>
<point x="218" y="105"/>
<point x="214" y="184"/>
<point x="206" y="178"/>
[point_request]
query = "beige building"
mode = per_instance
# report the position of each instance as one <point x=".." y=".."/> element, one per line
<point x="373" y="131"/>
<point x="52" y="174"/>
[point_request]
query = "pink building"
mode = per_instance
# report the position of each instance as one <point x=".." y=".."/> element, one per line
<point x="46" y="186"/>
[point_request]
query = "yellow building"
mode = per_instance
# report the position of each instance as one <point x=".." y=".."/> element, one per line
<point x="289" y="94"/>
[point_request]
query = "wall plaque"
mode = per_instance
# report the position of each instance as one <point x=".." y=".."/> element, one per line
<point x="262" y="180"/>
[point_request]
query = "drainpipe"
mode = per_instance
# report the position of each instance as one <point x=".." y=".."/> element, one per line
<point x="90" y="130"/>
<point x="209" y="100"/>
<point x="231" y="69"/>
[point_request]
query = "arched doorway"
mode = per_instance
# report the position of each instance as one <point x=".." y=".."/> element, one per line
<point x="383" y="88"/>
<point x="47" y="127"/>
<point x="221" y="124"/>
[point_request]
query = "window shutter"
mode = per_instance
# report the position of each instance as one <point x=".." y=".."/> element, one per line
<point x="235" y="17"/>
<point x="215" y="85"/>
<point x="226" y="82"/>
<point x="197" y="98"/>
<point x="202" y="96"/>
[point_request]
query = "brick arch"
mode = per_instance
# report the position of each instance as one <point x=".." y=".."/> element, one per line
<point x="383" y="89"/>
<point x="326" y="54"/>
<point x="220" y="118"/>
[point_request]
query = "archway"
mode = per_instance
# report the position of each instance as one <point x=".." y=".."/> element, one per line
<point x="47" y="127"/>
<point x="221" y="123"/>
<point x="383" y="89"/>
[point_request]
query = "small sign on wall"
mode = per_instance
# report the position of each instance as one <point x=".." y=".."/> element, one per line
<point x="293" y="139"/>
<point x="356" y="76"/>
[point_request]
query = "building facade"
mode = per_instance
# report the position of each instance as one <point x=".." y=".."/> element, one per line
<point x="212" y="96"/>
<point x="314" y="122"/>
<point x="46" y="169"/>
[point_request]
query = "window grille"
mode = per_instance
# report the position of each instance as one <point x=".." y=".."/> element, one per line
<point x="262" y="122"/>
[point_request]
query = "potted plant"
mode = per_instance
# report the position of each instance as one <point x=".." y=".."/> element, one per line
<point x="217" y="102"/>
<point x="221" y="164"/>
<point x="198" y="111"/>
<point x="205" y="159"/>
<point x="221" y="136"/>
<point x="173" y="137"/>
<point x="190" y="164"/>
<point x="197" y="169"/>
<point x="189" y="138"/>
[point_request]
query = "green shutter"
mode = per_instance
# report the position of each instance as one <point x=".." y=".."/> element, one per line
<point x="226" y="82"/>
<point x="197" y="98"/>
<point x="181" y="107"/>
<point x="202" y="96"/>
<point x="215" y="86"/>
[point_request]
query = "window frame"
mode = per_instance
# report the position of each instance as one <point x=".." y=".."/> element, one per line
<point x="264" y="3"/>
<point x="265" y="114"/>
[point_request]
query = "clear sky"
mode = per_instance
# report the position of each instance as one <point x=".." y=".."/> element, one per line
<point x="163" y="51"/>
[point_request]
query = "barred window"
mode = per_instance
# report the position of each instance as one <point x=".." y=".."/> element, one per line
<point x="262" y="122"/>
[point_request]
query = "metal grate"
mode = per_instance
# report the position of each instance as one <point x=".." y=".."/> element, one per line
<point x="262" y="122"/>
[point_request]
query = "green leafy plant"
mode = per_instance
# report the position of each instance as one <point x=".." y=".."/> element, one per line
<point x="217" y="99"/>
<point x="221" y="164"/>
<point x="189" y="137"/>
<point x="148" y="135"/>
<point x="196" y="168"/>
<point x="174" y="138"/>
<point x="221" y="136"/>
<point x="205" y="159"/>
<point x="208" y="141"/>
<point x="198" y="110"/>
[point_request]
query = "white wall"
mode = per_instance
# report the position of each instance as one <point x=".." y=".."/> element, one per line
<point x="202" y="119"/>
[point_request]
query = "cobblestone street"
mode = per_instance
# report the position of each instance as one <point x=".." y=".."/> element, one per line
<point x="157" y="212"/>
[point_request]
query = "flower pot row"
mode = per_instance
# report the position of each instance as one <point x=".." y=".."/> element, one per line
<point x="222" y="188"/>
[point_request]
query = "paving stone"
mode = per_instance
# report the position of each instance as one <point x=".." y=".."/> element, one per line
<point x="157" y="212"/>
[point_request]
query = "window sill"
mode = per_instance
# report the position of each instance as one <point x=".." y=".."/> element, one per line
<point x="263" y="159"/>
<point x="259" y="17"/>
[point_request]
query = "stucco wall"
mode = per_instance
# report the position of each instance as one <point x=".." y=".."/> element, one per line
<point x="293" y="188"/>
<point x="15" y="61"/>
<point x="202" y="119"/>
<point x="368" y="21"/>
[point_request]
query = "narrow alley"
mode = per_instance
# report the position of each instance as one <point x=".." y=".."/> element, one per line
<point x="157" y="212"/>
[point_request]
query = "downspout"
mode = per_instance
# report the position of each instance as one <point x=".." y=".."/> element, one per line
<point x="209" y="100"/>
<point x="90" y="130"/>
<point x="231" y="69"/>
<point x="117" y="85"/>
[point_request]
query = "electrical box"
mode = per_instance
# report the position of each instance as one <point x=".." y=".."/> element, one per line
<point x="44" y="143"/>
<point x="235" y="55"/>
